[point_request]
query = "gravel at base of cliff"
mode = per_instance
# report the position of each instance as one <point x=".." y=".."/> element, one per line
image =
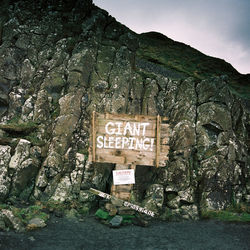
<point x="91" y="234"/>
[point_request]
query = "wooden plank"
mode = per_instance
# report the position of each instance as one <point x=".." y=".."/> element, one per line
<point x="126" y="117"/>
<point x="110" y="158"/>
<point x="150" y="132"/>
<point x="144" y="162"/>
<point x="164" y="149"/>
<point x="122" y="188"/>
<point x="122" y="195"/>
<point x="152" y="124"/>
<point x="164" y="137"/>
<point x="122" y="191"/>
<point x="138" y="159"/>
<point x="112" y="140"/>
<point x="158" y="131"/>
<point x="149" y="155"/>
<point x="124" y="203"/>
<point x="93" y="137"/>
<point x="90" y="158"/>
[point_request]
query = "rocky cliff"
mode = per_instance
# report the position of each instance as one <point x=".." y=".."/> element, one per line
<point x="60" y="60"/>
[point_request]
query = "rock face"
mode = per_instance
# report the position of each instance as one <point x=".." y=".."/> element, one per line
<point x="59" y="62"/>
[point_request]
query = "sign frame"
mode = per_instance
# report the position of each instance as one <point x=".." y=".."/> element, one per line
<point x="145" y="138"/>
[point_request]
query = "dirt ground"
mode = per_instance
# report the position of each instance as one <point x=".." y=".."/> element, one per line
<point x="62" y="233"/>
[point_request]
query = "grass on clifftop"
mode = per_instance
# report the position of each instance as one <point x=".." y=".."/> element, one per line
<point x="179" y="57"/>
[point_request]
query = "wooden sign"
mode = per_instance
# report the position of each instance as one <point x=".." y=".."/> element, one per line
<point x="123" y="203"/>
<point x="129" y="139"/>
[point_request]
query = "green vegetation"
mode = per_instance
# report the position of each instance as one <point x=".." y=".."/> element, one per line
<point x="104" y="216"/>
<point x="226" y="216"/>
<point x="20" y="130"/>
<point x="35" y="141"/>
<point x="237" y="213"/>
<point x="13" y="127"/>
<point x="26" y="214"/>
<point x="185" y="61"/>
<point x="55" y="110"/>
<point x="4" y="206"/>
<point x="101" y="214"/>
<point x="241" y="89"/>
<point x="55" y="206"/>
<point x="43" y="209"/>
<point x="60" y="208"/>
<point x="84" y="151"/>
<point x="162" y="50"/>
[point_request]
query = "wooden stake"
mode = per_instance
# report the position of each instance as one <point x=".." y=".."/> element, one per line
<point x="93" y="136"/>
<point x="158" y="138"/>
<point x="122" y="191"/>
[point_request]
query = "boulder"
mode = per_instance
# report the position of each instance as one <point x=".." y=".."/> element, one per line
<point x="35" y="223"/>
<point x="11" y="221"/>
<point x="5" y="180"/>
<point x="154" y="198"/>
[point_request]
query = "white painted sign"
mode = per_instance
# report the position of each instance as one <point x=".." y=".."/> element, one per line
<point x="122" y="135"/>
<point x="129" y="139"/>
<point x="126" y="176"/>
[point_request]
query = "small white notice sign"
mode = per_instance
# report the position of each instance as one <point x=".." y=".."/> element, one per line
<point x="126" y="176"/>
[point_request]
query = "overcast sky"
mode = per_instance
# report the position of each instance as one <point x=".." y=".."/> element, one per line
<point x="219" y="28"/>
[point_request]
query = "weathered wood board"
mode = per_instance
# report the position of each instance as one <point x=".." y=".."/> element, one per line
<point x="122" y="191"/>
<point x="122" y="202"/>
<point x="129" y="139"/>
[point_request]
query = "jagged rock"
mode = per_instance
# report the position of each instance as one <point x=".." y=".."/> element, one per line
<point x="27" y="71"/>
<point x="154" y="197"/>
<point x="55" y="73"/>
<point x="189" y="212"/>
<point x="62" y="191"/>
<point x="86" y="196"/>
<point x="16" y="100"/>
<point x="77" y="173"/>
<point x="178" y="174"/>
<point x="5" y="180"/>
<point x="21" y="153"/>
<point x="174" y="203"/>
<point x="101" y="175"/>
<point x="116" y="221"/>
<point x="71" y="214"/>
<point x="42" y="107"/>
<point x="11" y="221"/>
<point x="28" y="109"/>
<point x="35" y="223"/>
<point x="87" y="176"/>
<point x="187" y="195"/>
<point x="23" y="166"/>
<point x="24" y="176"/>
<point x="111" y="209"/>
<point x="2" y="225"/>
<point x="139" y="222"/>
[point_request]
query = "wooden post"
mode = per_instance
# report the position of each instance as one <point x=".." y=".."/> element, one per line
<point x="93" y="136"/>
<point x="122" y="192"/>
<point x="158" y="138"/>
